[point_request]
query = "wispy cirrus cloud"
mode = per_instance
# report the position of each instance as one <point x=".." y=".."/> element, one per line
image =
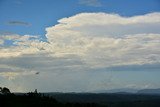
<point x="18" y="2"/>
<point x="20" y="23"/>
<point x="4" y="32"/>
<point x="94" y="3"/>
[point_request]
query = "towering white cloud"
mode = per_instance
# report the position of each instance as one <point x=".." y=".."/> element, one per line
<point x="97" y="39"/>
<point x="83" y="42"/>
<point x="102" y="39"/>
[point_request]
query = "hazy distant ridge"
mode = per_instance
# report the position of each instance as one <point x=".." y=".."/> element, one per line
<point x="129" y="90"/>
<point x="149" y="91"/>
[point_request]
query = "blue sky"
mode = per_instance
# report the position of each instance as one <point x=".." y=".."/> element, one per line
<point x="44" y="13"/>
<point x="79" y="45"/>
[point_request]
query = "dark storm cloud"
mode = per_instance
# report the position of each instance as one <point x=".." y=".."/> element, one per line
<point x="143" y="67"/>
<point x="41" y="63"/>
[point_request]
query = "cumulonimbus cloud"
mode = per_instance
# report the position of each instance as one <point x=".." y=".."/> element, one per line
<point x="86" y="42"/>
<point x="108" y="39"/>
<point x="99" y="39"/>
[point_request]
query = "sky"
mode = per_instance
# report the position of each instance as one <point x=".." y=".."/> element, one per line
<point x="79" y="45"/>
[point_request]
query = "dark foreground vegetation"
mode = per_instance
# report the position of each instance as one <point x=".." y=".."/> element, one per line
<point x="34" y="99"/>
<point x="110" y="99"/>
<point x="78" y="100"/>
<point x="37" y="100"/>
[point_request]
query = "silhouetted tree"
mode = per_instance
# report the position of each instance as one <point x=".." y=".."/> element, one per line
<point x="35" y="91"/>
<point x="4" y="90"/>
<point x="0" y="89"/>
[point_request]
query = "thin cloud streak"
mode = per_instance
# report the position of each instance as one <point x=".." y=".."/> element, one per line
<point x="20" y="23"/>
<point x="94" y="3"/>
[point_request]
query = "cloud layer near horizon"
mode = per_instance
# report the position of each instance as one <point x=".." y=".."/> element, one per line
<point x="84" y="42"/>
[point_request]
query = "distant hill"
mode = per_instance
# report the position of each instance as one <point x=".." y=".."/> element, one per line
<point x="121" y="90"/>
<point x="149" y="91"/>
<point x="130" y="90"/>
